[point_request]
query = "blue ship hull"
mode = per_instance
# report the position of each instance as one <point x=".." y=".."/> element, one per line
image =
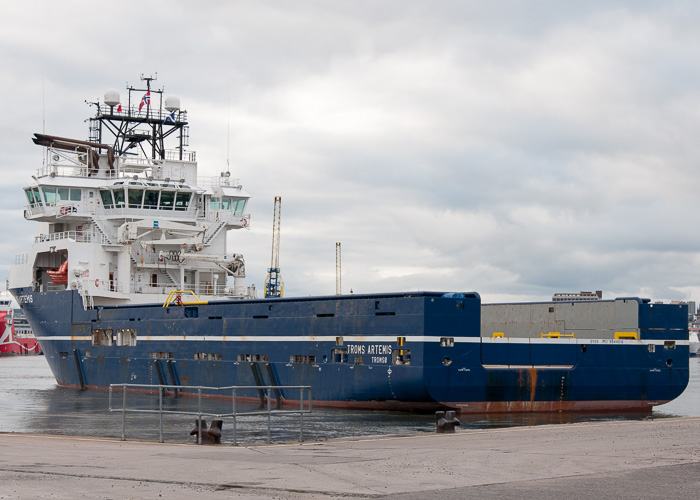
<point x="413" y="351"/>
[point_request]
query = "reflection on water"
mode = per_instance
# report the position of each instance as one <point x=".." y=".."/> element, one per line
<point x="30" y="401"/>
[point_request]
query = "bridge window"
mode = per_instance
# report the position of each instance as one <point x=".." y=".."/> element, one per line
<point x="37" y="197"/>
<point x="75" y="194"/>
<point x="238" y="205"/>
<point x="150" y="199"/>
<point x="166" y="200"/>
<point x="49" y="195"/>
<point x="182" y="200"/>
<point x="118" y="198"/>
<point x="135" y="198"/>
<point x="33" y="198"/>
<point x="107" y="200"/>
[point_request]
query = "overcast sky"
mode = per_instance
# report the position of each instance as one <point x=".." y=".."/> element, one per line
<point x="517" y="149"/>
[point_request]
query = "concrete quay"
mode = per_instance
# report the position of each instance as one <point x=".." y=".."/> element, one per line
<point x="594" y="460"/>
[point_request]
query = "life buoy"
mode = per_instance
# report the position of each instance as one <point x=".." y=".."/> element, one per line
<point x="244" y="222"/>
<point x="97" y="283"/>
<point x="64" y="210"/>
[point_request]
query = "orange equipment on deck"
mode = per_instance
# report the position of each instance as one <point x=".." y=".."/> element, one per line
<point x="59" y="276"/>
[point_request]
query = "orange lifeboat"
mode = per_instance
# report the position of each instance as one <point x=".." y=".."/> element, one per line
<point x="59" y="276"/>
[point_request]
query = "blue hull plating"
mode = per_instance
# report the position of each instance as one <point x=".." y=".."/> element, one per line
<point x="420" y="351"/>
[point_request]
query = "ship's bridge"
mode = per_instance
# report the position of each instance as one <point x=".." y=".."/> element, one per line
<point x="135" y="187"/>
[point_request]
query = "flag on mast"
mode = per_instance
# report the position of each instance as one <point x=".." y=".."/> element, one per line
<point x="170" y="117"/>
<point x="145" y="100"/>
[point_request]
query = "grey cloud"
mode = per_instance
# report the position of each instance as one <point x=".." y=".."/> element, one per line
<point x="516" y="149"/>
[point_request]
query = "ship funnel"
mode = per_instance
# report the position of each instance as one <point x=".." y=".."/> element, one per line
<point x="111" y="97"/>
<point x="172" y="103"/>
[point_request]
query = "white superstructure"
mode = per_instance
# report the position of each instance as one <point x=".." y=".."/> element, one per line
<point x="127" y="220"/>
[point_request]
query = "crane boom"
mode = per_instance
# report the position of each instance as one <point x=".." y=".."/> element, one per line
<point x="274" y="285"/>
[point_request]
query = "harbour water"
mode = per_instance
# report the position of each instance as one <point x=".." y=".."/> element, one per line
<point x="31" y="402"/>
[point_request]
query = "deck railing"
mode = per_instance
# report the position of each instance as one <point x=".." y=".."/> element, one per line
<point x="79" y="236"/>
<point x="62" y="163"/>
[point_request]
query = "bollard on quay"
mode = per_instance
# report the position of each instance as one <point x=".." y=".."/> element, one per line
<point x="445" y="422"/>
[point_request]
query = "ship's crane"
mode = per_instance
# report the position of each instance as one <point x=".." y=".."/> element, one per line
<point x="274" y="284"/>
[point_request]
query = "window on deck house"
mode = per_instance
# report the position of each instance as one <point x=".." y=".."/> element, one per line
<point x="182" y="200"/>
<point x="135" y="198"/>
<point x="106" y="196"/>
<point x="49" y="195"/>
<point x="37" y="196"/>
<point x="118" y="198"/>
<point x="166" y="200"/>
<point x="150" y="199"/>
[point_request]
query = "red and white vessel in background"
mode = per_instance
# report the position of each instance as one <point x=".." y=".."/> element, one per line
<point x="12" y="340"/>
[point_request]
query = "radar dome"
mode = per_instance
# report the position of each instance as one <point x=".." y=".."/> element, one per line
<point x="172" y="103"/>
<point x="111" y="97"/>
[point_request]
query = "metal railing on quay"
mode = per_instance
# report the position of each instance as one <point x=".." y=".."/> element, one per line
<point x="304" y="405"/>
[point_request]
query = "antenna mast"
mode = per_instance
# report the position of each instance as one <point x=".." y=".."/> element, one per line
<point x="228" y="131"/>
<point x="338" y="287"/>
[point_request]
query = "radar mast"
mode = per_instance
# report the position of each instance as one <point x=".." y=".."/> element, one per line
<point x="141" y="125"/>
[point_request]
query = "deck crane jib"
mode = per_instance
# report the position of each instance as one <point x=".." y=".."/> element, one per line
<point x="274" y="284"/>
